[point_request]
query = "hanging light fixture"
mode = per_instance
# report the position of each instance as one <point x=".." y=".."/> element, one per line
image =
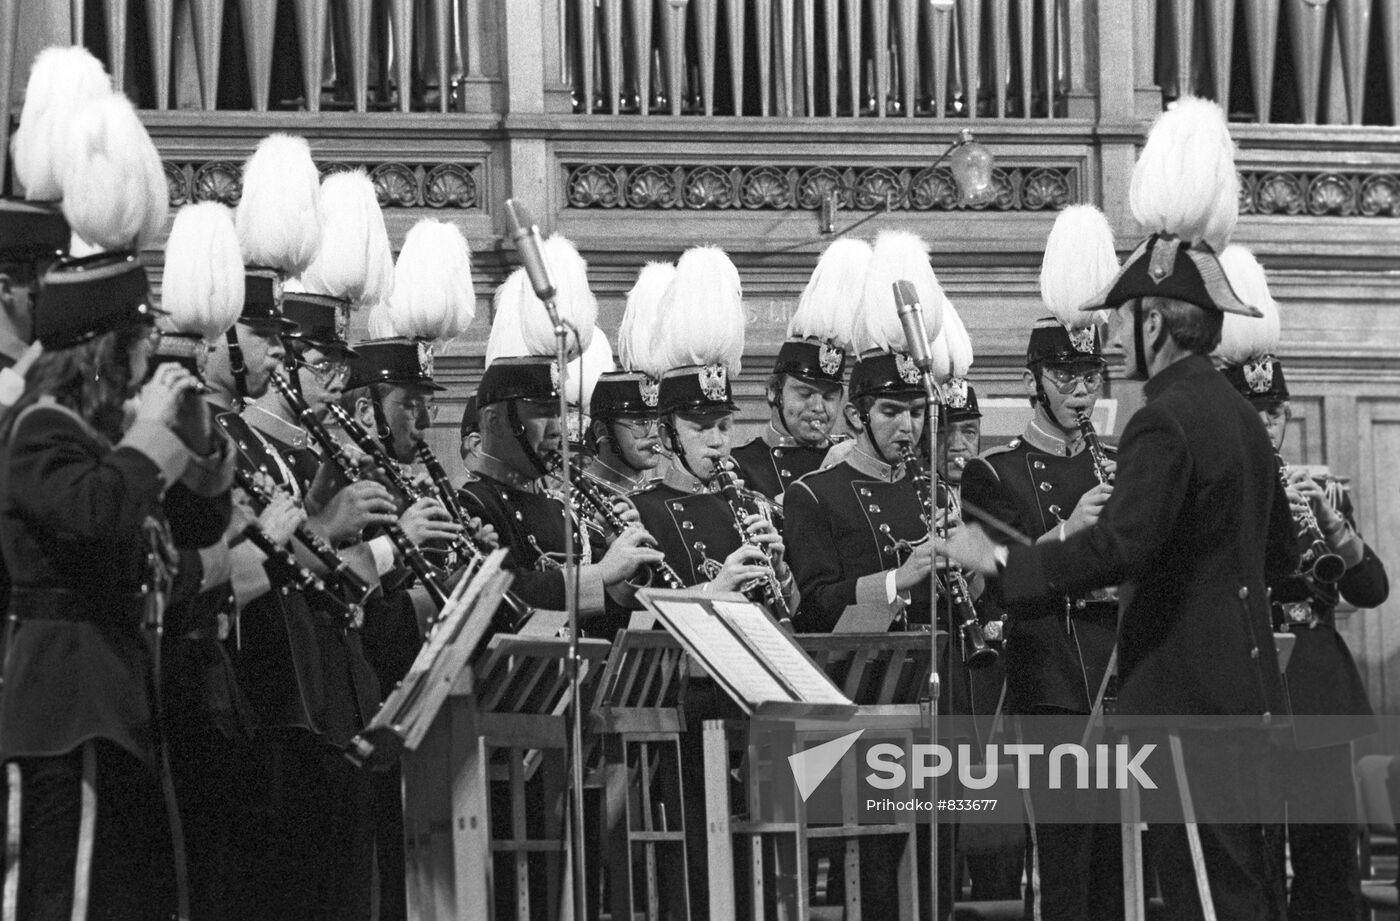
<point x="970" y="163"/>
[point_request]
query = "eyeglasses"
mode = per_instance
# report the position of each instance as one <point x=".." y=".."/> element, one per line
<point x="326" y="371"/>
<point x="1067" y="381"/>
<point x="641" y="426"/>
<point x="417" y="406"/>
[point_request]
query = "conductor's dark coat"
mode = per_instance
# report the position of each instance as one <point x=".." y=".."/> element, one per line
<point x="1197" y="524"/>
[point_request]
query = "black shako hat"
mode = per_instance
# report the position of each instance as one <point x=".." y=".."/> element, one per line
<point x="811" y="360"/>
<point x="527" y="377"/>
<point x="1260" y="382"/>
<point x="322" y="321"/>
<point x="696" y="389"/>
<point x="959" y="402"/>
<point x="31" y="232"/>
<point x="81" y="299"/>
<point x="398" y="362"/>
<point x="1052" y="342"/>
<point x="879" y="373"/>
<point x="624" y="393"/>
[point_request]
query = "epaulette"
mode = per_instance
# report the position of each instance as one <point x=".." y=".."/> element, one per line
<point x="1007" y="448"/>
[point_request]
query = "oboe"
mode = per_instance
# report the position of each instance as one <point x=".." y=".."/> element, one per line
<point x="587" y="498"/>
<point x="768" y="591"/>
<point x="1096" y="451"/>
<point x="980" y="654"/>
<point x="352" y="590"/>
<point x="469" y="544"/>
<point x="351" y="473"/>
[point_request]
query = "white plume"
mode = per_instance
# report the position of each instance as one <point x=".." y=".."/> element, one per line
<point x="584" y="372"/>
<point x="507" y="339"/>
<point x="952" y="350"/>
<point x="381" y="324"/>
<point x="1185" y="182"/>
<point x="701" y="314"/>
<point x="279" y="215"/>
<point x="638" y="329"/>
<point x="433" y="295"/>
<point x="898" y="256"/>
<point x="62" y="80"/>
<point x="1079" y="265"/>
<point x="202" y="285"/>
<point x="1244" y="339"/>
<point x="832" y="293"/>
<point x="353" y="262"/>
<point x="114" y="191"/>
<point x="575" y="302"/>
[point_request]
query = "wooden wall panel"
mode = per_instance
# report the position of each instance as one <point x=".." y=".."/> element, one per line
<point x="1374" y="636"/>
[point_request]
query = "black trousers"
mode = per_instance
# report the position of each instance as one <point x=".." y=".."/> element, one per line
<point x="1228" y="775"/>
<point x="1326" y="885"/>
<point x="317" y="835"/>
<point x="130" y="874"/>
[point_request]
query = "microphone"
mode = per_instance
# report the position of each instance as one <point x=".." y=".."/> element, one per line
<point x="526" y="234"/>
<point x="911" y="317"/>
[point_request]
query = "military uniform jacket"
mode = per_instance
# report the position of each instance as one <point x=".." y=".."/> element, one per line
<point x="1322" y="676"/>
<point x="845" y="527"/>
<point x="1197" y="523"/>
<point x="77" y="512"/>
<point x="1057" y="649"/>
<point x="530" y="525"/>
<point x="770" y="468"/>
<point x="297" y="663"/>
<point x="694" y="528"/>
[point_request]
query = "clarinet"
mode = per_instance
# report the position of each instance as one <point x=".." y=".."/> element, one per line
<point x="302" y="579"/>
<point x="981" y="655"/>
<point x="353" y="591"/>
<point x="766" y="590"/>
<point x="587" y="498"/>
<point x="1096" y="451"/>
<point x="1316" y="559"/>
<point x="468" y="544"/>
<point x="348" y="470"/>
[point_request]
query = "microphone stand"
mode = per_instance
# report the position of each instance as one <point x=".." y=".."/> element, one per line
<point x="571" y="589"/>
<point x="934" y="684"/>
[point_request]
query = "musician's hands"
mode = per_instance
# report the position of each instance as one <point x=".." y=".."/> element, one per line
<point x="354" y="508"/>
<point x="915" y="569"/>
<point x="1087" y="511"/>
<point x="630" y="550"/>
<point x="426" y="520"/>
<point x="281" y="518"/>
<point x="161" y="397"/>
<point x="740" y="568"/>
<point x="485" y="533"/>
<point x="194" y="422"/>
<point x="971" y="548"/>
<point x="1303" y="489"/>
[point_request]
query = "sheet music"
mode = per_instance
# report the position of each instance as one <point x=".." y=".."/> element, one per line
<point x="715" y="645"/>
<point x="775" y="646"/>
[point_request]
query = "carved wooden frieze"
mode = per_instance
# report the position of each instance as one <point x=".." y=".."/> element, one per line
<point x="1320" y="194"/>
<point x="450" y="186"/>
<point x="713" y="187"/>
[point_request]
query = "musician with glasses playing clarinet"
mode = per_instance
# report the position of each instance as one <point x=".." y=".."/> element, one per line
<point x="1050" y="484"/>
<point x="1325" y="691"/>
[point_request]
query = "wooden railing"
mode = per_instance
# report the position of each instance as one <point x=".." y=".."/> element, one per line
<point x="1290" y="61"/>
<point x="803" y="58"/>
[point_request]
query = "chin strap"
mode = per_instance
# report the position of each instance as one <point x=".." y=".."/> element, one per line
<point x="237" y="367"/>
<point x="670" y="433"/>
<point x="381" y="423"/>
<point x="517" y="429"/>
<point x="875" y="445"/>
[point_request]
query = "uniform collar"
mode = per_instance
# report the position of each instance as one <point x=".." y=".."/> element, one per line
<point x="872" y="466"/>
<point x="682" y="479"/>
<point x="277" y="428"/>
<point x="1049" y="440"/>
<point x="604" y="472"/>
<point x="490" y="467"/>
